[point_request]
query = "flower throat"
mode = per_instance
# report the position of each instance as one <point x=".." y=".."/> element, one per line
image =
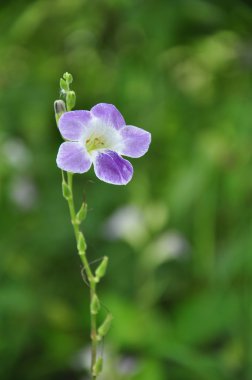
<point x="95" y="143"/>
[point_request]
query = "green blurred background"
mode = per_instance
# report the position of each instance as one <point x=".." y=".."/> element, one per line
<point x="178" y="236"/>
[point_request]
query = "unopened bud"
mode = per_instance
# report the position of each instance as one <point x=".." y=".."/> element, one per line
<point x="97" y="368"/>
<point x="70" y="99"/>
<point x="59" y="108"/>
<point x="101" y="270"/>
<point x="63" y="85"/>
<point x="68" y="77"/>
<point x="66" y="190"/>
<point x="105" y="326"/>
<point x="81" y="214"/>
<point x="81" y="244"/>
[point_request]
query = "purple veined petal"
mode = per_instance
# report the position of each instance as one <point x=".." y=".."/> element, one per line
<point x="135" y="141"/>
<point x="109" y="115"/>
<point x="72" y="157"/>
<point x="111" y="168"/>
<point x="72" y="124"/>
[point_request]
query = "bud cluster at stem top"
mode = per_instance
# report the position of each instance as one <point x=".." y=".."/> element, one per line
<point x="69" y="95"/>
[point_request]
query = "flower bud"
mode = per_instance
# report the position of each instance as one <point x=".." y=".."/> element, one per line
<point x="81" y="244"/>
<point x="68" y="77"/>
<point x="105" y="326"/>
<point x="64" y="85"/>
<point x="81" y="214"/>
<point x="95" y="305"/>
<point x="97" y="367"/>
<point x="66" y="190"/>
<point x="59" y="108"/>
<point x="101" y="270"/>
<point x="70" y="99"/>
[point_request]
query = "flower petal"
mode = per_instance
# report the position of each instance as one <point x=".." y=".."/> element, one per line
<point x="109" y="115"/>
<point x="73" y="158"/>
<point x="111" y="168"/>
<point x="135" y="141"/>
<point x="72" y="124"/>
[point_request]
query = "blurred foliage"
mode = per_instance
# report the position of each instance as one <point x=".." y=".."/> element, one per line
<point x="178" y="236"/>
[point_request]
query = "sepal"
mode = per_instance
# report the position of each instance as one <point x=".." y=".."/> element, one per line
<point x="105" y="326"/>
<point x="81" y="244"/>
<point x="66" y="191"/>
<point x="82" y="213"/>
<point x="95" y="305"/>
<point x="97" y="368"/>
<point x="101" y="270"/>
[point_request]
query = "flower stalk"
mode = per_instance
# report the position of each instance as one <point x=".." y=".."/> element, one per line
<point x="99" y="137"/>
<point x="76" y="219"/>
<point x="81" y="246"/>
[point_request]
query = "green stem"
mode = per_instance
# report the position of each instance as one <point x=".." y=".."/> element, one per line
<point x="93" y="331"/>
<point x="90" y="276"/>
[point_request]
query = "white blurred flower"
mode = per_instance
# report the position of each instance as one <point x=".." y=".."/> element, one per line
<point x="128" y="365"/>
<point x="81" y="359"/>
<point x="113" y="366"/>
<point x="126" y="223"/>
<point x="169" y="245"/>
<point x="134" y="224"/>
<point x="16" y="153"/>
<point x="23" y="193"/>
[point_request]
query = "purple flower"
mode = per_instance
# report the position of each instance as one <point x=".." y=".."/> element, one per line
<point x="100" y="137"/>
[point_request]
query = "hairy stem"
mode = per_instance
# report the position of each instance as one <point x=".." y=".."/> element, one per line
<point x="90" y="276"/>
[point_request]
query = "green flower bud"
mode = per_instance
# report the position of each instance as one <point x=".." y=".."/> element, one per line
<point x="81" y="214"/>
<point x="70" y="99"/>
<point x="81" y="245"/>
<point x="95" y="305"/>
<point x="63" y="85"/>
<point x="97" y="368"/>
<point x="66" y="190"/>
<point x="101" y="270"/>
<point x="105" y="326"/>
<point x="68" y="77"/>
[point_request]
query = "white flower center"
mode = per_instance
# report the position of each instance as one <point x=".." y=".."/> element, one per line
<point x="100" y="137"/>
